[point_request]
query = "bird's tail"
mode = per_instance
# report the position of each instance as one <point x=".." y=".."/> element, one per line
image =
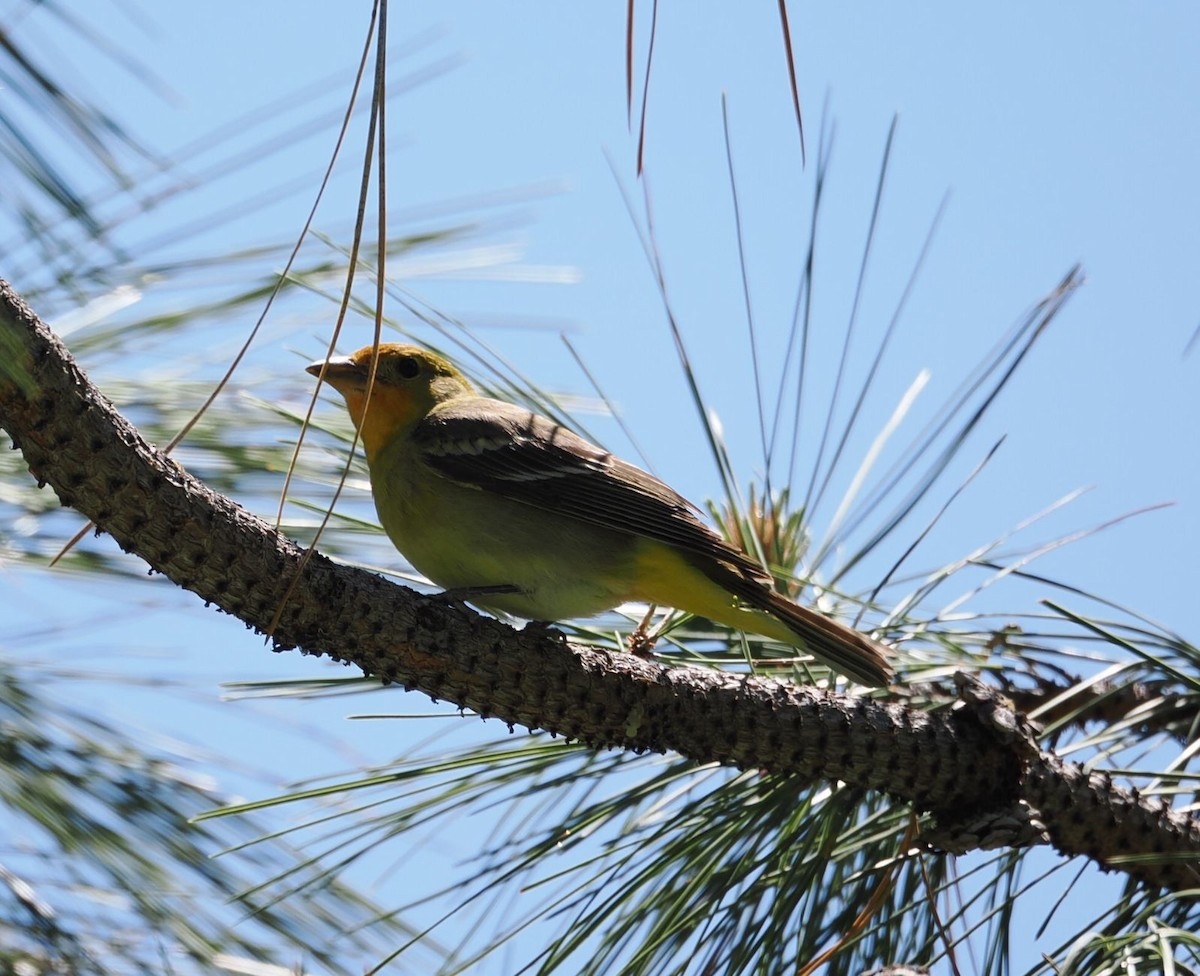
<point x="842" y="648"/>
<point x="734" y="591"/>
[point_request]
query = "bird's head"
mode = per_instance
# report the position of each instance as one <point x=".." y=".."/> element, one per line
<point x="409" y="382"/>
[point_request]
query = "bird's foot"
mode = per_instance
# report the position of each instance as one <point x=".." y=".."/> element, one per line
<point x="543" y="628"/>
<point x="641" y="642"/>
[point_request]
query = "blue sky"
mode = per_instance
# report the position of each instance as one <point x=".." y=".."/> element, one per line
<point x="1062" y="133"/>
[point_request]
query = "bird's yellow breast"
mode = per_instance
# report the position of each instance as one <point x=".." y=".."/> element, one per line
<point x="464" y="538"/>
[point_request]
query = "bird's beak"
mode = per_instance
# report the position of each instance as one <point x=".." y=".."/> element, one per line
<point x="339" y="371"/>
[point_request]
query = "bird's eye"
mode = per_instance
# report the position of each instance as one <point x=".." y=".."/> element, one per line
<point x="408" y="367"/>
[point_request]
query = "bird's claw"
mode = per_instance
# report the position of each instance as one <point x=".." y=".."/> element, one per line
<point x="641" y="644"/>
<point x="543" y="628"/>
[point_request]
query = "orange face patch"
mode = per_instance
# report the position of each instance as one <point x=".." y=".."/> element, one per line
<point x="389" y="410"/>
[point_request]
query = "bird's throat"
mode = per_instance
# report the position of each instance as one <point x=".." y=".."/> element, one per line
<point x="389" y="413"/>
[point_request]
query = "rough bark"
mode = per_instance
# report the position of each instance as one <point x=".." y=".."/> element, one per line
<point x="954" y="763"/>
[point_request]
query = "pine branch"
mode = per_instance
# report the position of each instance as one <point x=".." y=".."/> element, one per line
<point x="1106" y="703"/>
<point x="953" y="763"/>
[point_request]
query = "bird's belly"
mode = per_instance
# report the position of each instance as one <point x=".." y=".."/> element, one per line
<point x="465" y="539"/>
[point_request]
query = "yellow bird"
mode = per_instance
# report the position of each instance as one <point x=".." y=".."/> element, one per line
<point x="532" y="520"/>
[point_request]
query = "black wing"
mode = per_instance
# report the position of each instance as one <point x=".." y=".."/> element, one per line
<point x="495" y="446"/>
<point x="500" y="447"/>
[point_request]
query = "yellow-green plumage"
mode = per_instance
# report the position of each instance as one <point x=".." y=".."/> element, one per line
<point x="478" y="493"/>
<point x="416" y="505"/>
